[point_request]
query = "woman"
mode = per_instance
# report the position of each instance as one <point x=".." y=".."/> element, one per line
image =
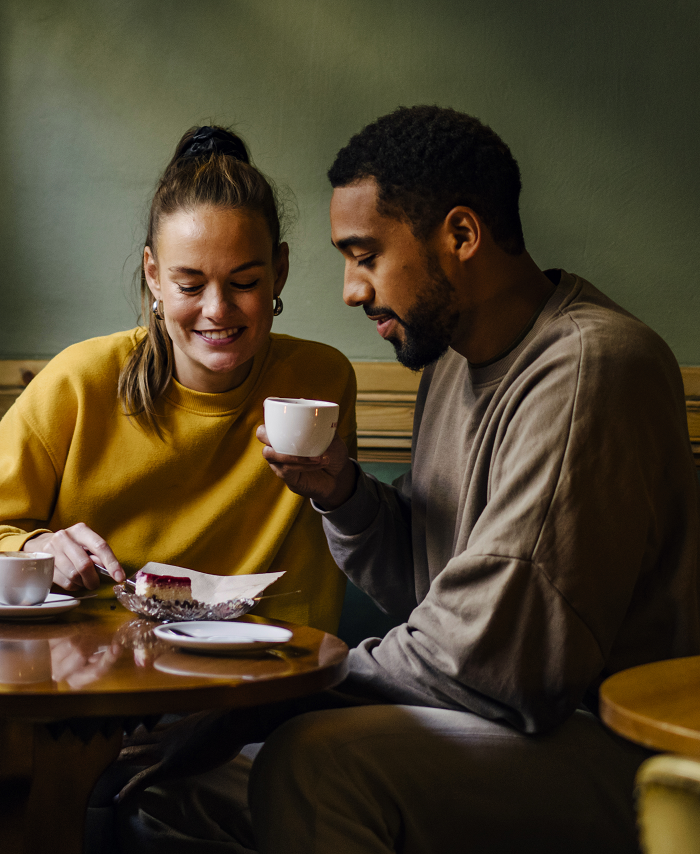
<point x="141" y="445"/>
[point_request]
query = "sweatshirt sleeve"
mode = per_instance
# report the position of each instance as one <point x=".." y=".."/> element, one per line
<point x="370" y="539"/>
<point x="36" y="435"/>
<point x="590" y="499"/>
<point x="29" y="481"/>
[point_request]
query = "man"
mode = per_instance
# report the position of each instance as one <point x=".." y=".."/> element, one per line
<point x="546" y="537"/>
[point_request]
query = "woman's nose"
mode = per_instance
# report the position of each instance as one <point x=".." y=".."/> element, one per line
<point x="217" y="304"/>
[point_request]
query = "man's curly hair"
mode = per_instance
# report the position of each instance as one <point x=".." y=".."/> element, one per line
<point x="427" y="160"/>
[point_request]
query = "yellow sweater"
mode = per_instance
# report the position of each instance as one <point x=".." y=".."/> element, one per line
<point x="204" y="498"/>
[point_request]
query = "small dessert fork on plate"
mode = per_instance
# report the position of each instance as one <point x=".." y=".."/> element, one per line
<point x="177" y="631"/>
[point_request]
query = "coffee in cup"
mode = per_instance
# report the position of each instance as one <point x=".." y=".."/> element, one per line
<point x="25" y="577"/>
<point x="300" y="427"/>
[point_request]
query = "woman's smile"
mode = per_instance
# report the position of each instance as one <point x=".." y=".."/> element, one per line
<point x="219" y="337"/>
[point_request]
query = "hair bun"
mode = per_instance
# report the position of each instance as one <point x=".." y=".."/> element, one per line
<point x="211" y="140"/>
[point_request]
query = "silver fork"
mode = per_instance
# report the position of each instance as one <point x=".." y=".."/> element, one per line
<point x="127" y="582"/>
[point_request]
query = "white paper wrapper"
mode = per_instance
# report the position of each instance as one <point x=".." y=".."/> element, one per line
<point x="215" y="597"/>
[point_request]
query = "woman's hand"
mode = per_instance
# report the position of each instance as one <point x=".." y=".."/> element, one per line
<point x="75" y="660"/>
<point x="74" y="550"/>
<point x="329" y="479"/>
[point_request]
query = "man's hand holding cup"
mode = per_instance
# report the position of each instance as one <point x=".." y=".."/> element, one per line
<point x="303" y="450"/>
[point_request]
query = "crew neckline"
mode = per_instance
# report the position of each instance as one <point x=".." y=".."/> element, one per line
<point x="218" y="403"/>
<point x="499" y="367"/>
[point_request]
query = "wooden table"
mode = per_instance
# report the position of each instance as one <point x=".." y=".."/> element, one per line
<point x="656" y="705"/>
<point x="67" y="687"/>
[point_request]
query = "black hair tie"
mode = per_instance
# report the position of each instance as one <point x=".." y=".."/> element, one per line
<point x="208" y="140"/>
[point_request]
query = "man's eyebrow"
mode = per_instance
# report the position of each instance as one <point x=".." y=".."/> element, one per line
<point x="353" y="240"/>
<point x="191" y="271"/>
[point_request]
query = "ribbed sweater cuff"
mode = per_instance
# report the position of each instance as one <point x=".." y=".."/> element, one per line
<point x="359" y="511"/>
<point x="15" y="542"/>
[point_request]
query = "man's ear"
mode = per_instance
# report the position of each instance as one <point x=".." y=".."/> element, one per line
<point x="463" y="230"/>
<point x="150" y="269"/>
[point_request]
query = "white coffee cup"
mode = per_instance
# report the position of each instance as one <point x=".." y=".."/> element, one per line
<point x="25" y="577"/>
<point x="300" y="427"/>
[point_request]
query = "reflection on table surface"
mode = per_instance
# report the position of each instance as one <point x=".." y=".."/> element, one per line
<point x="101" y="648"/>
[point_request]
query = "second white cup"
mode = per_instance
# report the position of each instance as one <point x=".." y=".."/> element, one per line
<point x="25" y="577"/>
<point x="300" y="427"/>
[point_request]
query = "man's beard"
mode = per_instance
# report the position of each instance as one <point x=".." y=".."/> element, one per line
<point x="429" y="325"/>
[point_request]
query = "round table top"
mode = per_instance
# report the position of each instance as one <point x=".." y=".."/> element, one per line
<point x="101" y="660"/>
<point x="657" y="705"/>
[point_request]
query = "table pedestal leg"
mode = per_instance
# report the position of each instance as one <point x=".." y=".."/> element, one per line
<point x="15" y="782"/>
<point x="45" y="784"/>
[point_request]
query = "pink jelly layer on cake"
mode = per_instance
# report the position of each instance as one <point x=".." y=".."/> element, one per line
<point x="166" y="588"/>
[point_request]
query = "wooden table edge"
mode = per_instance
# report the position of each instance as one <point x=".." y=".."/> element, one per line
<point x="217" y="695"/>
<point x="650" y="732"/>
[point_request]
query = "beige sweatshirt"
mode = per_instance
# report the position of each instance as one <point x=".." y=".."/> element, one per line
<point x="547" y="535"/>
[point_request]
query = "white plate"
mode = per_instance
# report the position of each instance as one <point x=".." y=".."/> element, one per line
<point x="56" y="603"/>
<point x="217" y="637"/>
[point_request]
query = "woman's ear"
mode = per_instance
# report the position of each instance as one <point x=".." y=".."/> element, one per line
<point x="150" y="270"/>
<point x="281" y="265"/>
<point x="463" y="229"/>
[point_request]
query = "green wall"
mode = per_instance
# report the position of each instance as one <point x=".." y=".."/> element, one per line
<point x="598" y="100"/>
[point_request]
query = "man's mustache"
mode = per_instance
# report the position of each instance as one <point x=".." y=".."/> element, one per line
<point x="380" y="311"/>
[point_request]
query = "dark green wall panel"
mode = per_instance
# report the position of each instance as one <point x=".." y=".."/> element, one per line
<point x="598" y="100"/>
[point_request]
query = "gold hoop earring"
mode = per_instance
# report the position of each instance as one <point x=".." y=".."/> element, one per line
<point x="277" y="308"/>
<point x="157" y="309"/>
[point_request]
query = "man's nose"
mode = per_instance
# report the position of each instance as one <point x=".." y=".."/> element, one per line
<point x="356" y="289"/>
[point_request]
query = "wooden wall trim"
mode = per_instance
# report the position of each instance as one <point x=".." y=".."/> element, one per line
<point x="691" y="382"/>
<point x="386" y="397"/>
<point x="691" y="385"/>
<point x="15" y="373"/>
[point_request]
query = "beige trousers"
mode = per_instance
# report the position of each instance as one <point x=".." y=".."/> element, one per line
<point x="378" y="779"/>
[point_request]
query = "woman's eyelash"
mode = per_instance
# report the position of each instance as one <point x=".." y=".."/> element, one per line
<point x="190" y="289"/>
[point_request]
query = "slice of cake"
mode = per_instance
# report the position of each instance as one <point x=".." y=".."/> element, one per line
<point x="164" y="588"/>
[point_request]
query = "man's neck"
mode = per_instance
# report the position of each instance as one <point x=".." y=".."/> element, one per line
<point x="497" y="313"/>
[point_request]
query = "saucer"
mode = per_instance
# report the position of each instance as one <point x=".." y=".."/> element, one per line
<point x="55" y="603"/>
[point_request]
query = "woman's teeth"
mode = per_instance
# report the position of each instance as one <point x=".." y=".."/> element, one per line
<point x="216" y="334"/>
